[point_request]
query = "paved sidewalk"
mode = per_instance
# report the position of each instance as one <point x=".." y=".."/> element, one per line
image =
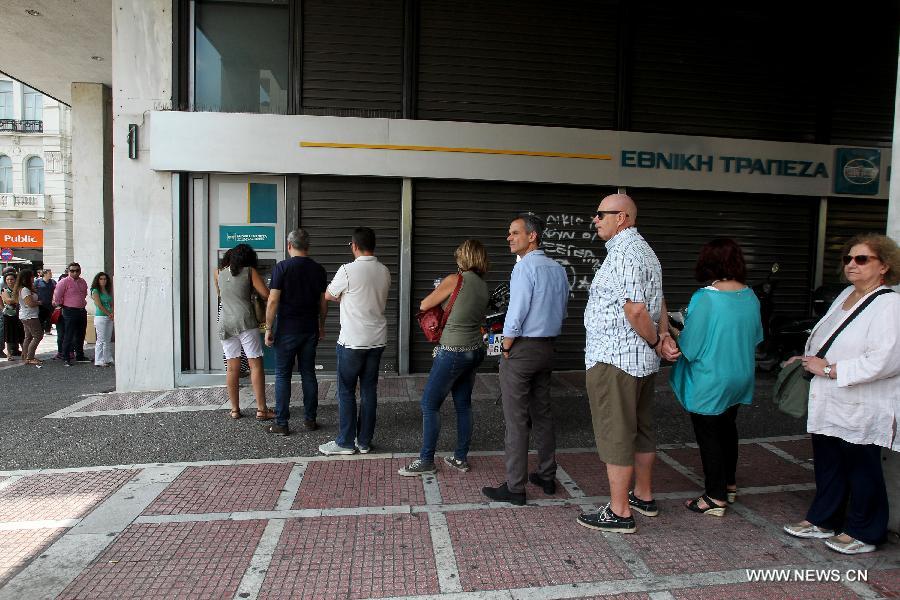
<point x="316" y="527"/>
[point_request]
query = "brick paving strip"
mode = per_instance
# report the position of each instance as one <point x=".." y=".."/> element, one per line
<point x="146" y="527"/>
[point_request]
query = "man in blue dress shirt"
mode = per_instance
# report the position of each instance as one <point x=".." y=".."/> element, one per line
<point x="538" y="296"/>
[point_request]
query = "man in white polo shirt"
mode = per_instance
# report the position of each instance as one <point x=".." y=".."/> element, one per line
<point x="361" y="288"/>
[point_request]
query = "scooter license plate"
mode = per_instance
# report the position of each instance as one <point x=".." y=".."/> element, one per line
<point x="494" y="344"/>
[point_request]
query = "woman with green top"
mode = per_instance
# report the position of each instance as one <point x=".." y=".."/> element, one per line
<point x="13" y="332"/>
<point x="456" y="358"/>
<point x="102" y="295"/>
<point x="715" y="373"/>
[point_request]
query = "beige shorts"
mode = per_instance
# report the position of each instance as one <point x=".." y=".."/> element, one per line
<point x="249" y="340"/>
<point x="622" y="412"/>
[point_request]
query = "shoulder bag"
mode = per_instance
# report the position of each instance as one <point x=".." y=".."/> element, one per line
<point x="791" y="392"/>
<point x="433" y="320"/>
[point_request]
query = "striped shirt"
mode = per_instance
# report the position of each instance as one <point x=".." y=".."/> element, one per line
<point x="632" y="272"/>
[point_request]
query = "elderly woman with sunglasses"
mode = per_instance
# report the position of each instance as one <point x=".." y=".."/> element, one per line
<point x="854" y="401"/>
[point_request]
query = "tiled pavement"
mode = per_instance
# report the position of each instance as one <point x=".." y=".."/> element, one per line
<point x="350" y="527"/>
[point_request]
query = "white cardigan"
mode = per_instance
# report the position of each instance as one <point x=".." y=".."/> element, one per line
<point x="862" y="405"/>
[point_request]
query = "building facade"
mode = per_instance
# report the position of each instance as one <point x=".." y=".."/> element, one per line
<point x="35" y="176"/>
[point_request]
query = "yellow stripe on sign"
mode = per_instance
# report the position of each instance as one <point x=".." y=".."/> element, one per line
<point x="451" y="149"/>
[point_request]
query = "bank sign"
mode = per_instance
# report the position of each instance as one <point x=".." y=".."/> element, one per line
<point x="855" y="171"/>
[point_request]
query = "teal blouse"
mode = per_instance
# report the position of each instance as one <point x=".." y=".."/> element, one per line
<point x="105" y="299"/>
<point x="717" y="366"/>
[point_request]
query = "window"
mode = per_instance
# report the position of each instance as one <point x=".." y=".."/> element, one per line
<point x="6" y="100"/>
<point x="241" y="52"/>
<point x="34" y="105"/>
<point x="5" y="175"/>
<point x="34" y="175"/>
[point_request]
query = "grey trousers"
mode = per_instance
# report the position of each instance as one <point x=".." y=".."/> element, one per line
<point x="525" y="385"/>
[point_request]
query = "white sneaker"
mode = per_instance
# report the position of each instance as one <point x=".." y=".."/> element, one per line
<point x="807" y="531"/>
<point x="332" y="449"/>
<point x="854" y="546"/>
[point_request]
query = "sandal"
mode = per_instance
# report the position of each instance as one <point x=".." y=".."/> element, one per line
<point x="731" y="495"/>
<point x="712" y="508"/>
<point x="265" y="415"/>
<point x="236" y="414"/>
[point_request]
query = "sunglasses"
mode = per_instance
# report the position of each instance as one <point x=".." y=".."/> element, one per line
<point x="860" y="259"/>
<point x="74" y="270"/>
<point x="603" y="213"/>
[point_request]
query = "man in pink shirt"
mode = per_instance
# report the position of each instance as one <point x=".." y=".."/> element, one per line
<point x="71" y="295"/>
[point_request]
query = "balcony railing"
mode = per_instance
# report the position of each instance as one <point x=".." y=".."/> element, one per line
<point x="23" y="126"/>
<point x="22" y="202"/>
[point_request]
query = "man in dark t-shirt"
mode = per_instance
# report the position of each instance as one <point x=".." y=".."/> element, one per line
<point x="295" y="321"/>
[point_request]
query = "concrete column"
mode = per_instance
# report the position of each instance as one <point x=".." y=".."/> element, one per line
<point x="92" y="218"/>
<point x="142" y="200"/>
<point x="892" y="459"/>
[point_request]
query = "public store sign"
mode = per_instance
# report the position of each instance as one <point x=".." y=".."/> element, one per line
<point x="204" y="142"/>
<point x="22" y="238"/>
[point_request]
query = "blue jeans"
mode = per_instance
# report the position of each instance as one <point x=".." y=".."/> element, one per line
<point x="451" y="372"/>
<point x="300" y="347"/>
<point x="353" y="365"/>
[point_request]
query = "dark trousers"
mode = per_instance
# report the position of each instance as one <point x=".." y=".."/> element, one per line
<point x="76" y="323"/>
<point x="357" y="365"/>
<point x="850" y="492"/>
<point x="525" y="386"/>
<point x="718" y="441"/>
<point x="291" y="348"/>
<point x="44" y="317"/>
<point x="61" y="336"/>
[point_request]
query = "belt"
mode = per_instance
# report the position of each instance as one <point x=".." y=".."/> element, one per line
<point x="538" y="339"/>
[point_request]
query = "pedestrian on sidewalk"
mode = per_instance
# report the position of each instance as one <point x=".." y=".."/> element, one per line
<point x="627" y="333"/>
<point x="456" y="357"/>
<point x="44" y="287"/>
<point x="716" y="372"/>
<point x="102" y="295"/>
<point x="361" y="287"/>
<point x="238" y="327"/>
<point x="28" y="314"/>
<point x="13" y="332"/>
<point x="295" y="322"/>
<point x="60" y="322"/>
<point x="538" y="299"/>
<point x="853" y="401"/>
<point x="71" y="294"/>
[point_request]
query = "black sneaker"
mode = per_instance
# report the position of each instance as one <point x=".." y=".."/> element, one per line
<point x="607" y="520"/>
<point x="279" y="429"/>
<point x="69" y="363"/>
<point x="418" y="467"/>
<point x="83" y="359"/>
<point x="548" y="485"/>
<point x="645" y="507"/>
<point x="502" y="494"/>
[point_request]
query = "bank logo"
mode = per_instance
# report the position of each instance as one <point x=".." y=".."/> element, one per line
<point x="857" y="171"/>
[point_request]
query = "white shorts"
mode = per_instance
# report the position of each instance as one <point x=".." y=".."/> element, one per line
<point x="248" y="339"/>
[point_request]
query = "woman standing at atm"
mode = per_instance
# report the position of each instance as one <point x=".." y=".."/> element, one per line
<point x="239" y="327"/>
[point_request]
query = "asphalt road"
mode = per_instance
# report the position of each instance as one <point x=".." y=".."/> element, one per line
<point x="29" y="441"/>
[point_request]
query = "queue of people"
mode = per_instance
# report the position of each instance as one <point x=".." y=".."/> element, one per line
<point x="853" y="398"/>
<point x="29" y="302"/>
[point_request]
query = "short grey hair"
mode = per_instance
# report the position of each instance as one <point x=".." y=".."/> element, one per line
<point x="533" y="224"/>
<point x="299" y="239"/>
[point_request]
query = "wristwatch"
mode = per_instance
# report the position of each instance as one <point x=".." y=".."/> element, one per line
<point x="826" y="370"/>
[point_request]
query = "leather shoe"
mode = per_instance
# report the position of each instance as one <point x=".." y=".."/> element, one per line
<point x="502" y="494"/>
<point x="548" y="485"/>
<point x="310" y="424"/>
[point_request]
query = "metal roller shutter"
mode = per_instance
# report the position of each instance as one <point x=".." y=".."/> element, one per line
<point x="848" y="217"/>
<point x="700" y="69"/>
<point x="676" y="223"/>
<point x="352" y="58"/>
<point x="522" y="61"/>
<point x="769" y="229"/>
<point x="447" y="212"/>
<point x="330" y="208"/>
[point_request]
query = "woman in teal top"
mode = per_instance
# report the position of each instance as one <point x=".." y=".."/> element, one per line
<point x="102" y="295"/>
<point x="715" y="373"/>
